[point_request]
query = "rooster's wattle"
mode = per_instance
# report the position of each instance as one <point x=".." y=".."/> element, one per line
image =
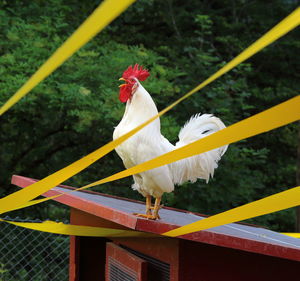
<point x="150" y="143"/>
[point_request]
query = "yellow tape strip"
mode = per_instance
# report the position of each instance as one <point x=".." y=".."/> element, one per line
<point x="106" y="12"/>
<point x="19" y="198"/>
<point x="277" y="116"/>
<point x="277" y="202"/>
<point x="78" y="230"/>
<point x="295" y="235"/>
<point x="91" y="231"/>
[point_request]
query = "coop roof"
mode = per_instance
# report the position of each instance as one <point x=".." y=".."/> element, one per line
<point x="120" y="210"/>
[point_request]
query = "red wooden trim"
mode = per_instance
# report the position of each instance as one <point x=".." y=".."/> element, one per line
<point x="243" y="244"/>
<point x="73" y="259"/>
<point x="136" y="266"/>
<point x="25" y="181"/>
<point x="82" y="204"/>
<point x="74" y="253"/>
<point x="157" y="227"/>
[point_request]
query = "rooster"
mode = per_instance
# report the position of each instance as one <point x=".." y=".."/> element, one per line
<point x="149" y="143"/>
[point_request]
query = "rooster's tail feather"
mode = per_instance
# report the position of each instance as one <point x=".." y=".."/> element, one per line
<point x="204" y="164"/>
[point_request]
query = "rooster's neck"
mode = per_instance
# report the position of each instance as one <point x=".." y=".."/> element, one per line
<point x="140" y="108"/>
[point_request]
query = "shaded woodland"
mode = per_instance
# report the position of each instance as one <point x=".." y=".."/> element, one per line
<point x="75" y="110"/>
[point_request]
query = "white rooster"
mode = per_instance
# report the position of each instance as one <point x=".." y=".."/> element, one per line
<point x="150" y="143"/>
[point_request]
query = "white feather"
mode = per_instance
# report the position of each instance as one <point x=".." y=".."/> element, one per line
<point x="201" y="165"/>
<point x="149" y="143"/>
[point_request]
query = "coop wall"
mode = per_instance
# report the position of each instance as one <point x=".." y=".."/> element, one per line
<point x="88" y="256"/>
<point x="203" y="262"/>
<point x="170" y="259"/>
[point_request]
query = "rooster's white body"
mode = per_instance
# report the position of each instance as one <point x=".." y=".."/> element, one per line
<point x="150" y="143"/>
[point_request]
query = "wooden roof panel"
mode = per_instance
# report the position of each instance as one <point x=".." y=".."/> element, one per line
<point x="120" y="210"/>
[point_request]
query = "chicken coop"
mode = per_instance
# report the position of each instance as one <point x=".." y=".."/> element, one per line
<point x="231" y="252"/>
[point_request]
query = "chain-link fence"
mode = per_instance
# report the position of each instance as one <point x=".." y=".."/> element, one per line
<point x="28" y="255"/>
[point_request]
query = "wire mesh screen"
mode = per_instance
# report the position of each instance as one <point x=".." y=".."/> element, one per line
<point x="28" y="255"/>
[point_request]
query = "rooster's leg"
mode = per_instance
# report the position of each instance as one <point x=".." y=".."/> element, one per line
<point x="148" y="205"/>
<point x="149" y="214"/>
<point x="156" y="208"/>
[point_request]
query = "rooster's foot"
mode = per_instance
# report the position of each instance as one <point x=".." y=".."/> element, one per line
<point x="147" y="216"/>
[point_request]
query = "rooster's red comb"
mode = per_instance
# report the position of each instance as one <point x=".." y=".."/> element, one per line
<point x="136" y="72"/>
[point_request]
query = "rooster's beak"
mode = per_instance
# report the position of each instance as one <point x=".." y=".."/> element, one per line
<point x="122" y="84"/>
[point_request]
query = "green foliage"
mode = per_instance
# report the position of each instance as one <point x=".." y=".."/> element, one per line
<point x="74" y="111"/>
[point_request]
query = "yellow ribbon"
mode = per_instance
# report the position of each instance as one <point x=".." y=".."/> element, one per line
<point x="277" y="202"/>
<point x="295" y="235"/>
<point x="91" y="231"/>
<point x="106" y="12"/>
<point x="19" y="198"/>
<point x="78" y="230"/>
